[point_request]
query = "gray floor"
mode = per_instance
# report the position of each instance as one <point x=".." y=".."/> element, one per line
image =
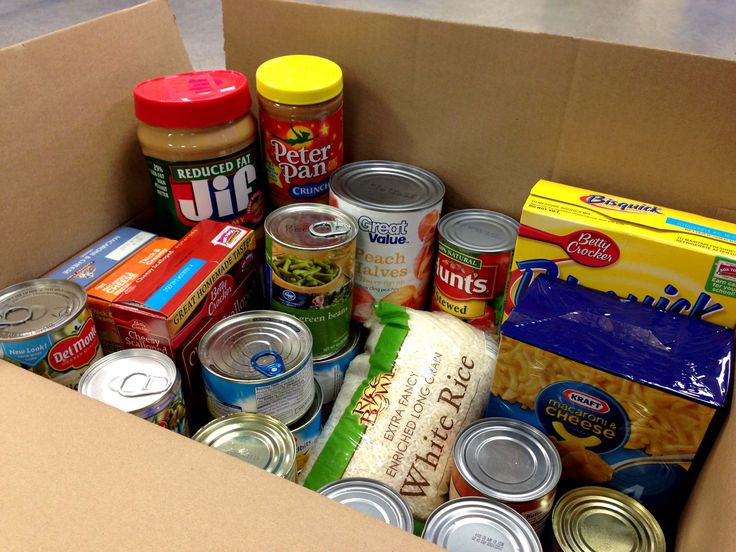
<point x="705" y="27"/>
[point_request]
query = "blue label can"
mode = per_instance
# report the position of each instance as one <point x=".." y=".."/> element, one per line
<point x="306" y="429"/>
<point x="258" y="361"/>
<point x="330" y="372"/>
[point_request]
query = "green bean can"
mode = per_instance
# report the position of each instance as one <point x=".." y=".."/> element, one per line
<point x="310" y="261"/>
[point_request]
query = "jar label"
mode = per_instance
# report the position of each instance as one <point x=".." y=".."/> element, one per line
<point x="300" y="157"/>
<point x="226" y="189"/>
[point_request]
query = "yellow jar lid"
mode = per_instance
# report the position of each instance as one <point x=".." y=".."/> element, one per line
<point x="299" y="80"/>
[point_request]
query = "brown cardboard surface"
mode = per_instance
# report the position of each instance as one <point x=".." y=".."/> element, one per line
<point x="72" y="169"/>
<point x="491" y="110"/>
<point x="80" y="475"/>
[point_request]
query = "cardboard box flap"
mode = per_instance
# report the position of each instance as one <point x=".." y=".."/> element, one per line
<point x="491" y="110"/>
<point x="72" y="169"/>
<point x="158" y="490"/>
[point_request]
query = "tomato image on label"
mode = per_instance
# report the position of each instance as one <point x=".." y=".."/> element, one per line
<point x="76" y="351"/>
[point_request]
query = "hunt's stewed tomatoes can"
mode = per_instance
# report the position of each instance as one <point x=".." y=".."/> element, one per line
<point x="471" y="274"/>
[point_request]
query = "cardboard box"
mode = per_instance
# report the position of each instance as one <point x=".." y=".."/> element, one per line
<point x="489" y="110"/>
<point x="677" y="261"/>
<point x="112" y="285"/>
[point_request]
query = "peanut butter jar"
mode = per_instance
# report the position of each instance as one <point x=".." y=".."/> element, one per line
<point x="201" y="147"/>
<point x="300" y="101"/>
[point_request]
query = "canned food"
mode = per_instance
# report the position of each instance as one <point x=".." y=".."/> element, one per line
<point x="597" y="519"/>
<point x="473" y="262"/>
<point x="397" y="207"/>
<point x="258" y="361"/>
<point x="508" y="461"/>
<point x="373" y="498"/>
<point x="310" y="258"/>
<point x="330" y="372"/>
<point x="46" y="327"/>
<point x="306" y="429"/>
<point x="474" y="523"/>
<point x="258" y="439"/>
<point x="143" y="382"/>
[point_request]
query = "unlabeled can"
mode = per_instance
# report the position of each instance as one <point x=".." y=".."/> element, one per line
<point x="330" y="372"/>
<point x="475" y="249"/>
<point x="371" y="497"/>
<point x="258" y="361"/>
<point x="45" y="326"/>
<point x="143" y="382"/>
<point x="306" y="429"/>
<point x="475" y="523"/>
<point x="255" y="438"/>
<point x="598" y="519"/>
<point x="397" y="207"/>
<point x="508" y="461"/>
<point x="310" y="260"/>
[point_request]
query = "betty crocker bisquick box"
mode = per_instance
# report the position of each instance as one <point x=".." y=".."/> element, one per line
<point x="669" y="259"/>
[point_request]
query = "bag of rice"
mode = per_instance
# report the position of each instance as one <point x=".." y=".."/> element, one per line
<point x="423" y="378"/>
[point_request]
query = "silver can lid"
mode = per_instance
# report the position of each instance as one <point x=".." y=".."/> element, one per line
<point x="131" y="380"/>
<point x="240" y="346"/>
<point x="35" y="307"/>
<point x="373" y="498"/>
<point x="605" y="520"/>
<point x="507" y="460"/>
<point x="479" y="230"/>
<point x="311" y="226"/>
<point x="472" y="524"/>
<point x="387" y="186"/>
<point x="256" y="438"/>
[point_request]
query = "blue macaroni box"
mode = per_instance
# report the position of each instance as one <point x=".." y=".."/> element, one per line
<point x="627" y="393"/>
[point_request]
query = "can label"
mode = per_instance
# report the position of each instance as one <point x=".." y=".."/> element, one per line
<point x="394" y="257"/>
<point x="173" y="416"/>
<point x="316" y="287"/>
<point x="305" y="438"/>
<point x="330" y="372"/>
<point x="536" y="511"/>
<point x="226" y="189"/>
<point x="301" y="156"/>
<point x="62" y="355"/>
<point x="471" y="286"/>
<point x="286" y="399"/>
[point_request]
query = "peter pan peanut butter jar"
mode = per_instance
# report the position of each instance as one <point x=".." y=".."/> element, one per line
<point x="201" y="147"/>
<point x="300" y="101"/>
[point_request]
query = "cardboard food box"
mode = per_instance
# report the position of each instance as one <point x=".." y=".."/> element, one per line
<point x="490" y="110"/>
<point x="209" y="274"/>
<point x="676" y="261"/>
<point x="112" y="285"/>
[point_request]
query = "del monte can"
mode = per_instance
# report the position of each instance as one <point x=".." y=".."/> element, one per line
<point x="310" y="256"/>
<point x="45" y="326"/>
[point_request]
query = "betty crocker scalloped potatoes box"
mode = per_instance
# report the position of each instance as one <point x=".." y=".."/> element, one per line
<point x="669" y="259"/>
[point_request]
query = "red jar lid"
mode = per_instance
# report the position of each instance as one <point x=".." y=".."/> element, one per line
<point x="192" y="100"/>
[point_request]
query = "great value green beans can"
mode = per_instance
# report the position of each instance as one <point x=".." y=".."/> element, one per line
<point x="310" y="260"/>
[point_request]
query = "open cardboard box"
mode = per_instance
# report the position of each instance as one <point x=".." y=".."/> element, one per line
<point x="488" y="110"/>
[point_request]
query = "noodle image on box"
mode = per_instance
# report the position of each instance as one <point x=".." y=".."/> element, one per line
<point x="672" y="260"/>
<point x="627" y="393"/>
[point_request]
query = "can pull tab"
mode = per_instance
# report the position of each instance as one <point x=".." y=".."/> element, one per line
<point x="21" y="318"/>
<point x="140" y="384"/>
<point x="329" y="229"/>
<point x="268" y="362"/>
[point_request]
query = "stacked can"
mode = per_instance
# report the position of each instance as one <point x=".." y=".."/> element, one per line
<point x="310" y="258"/>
